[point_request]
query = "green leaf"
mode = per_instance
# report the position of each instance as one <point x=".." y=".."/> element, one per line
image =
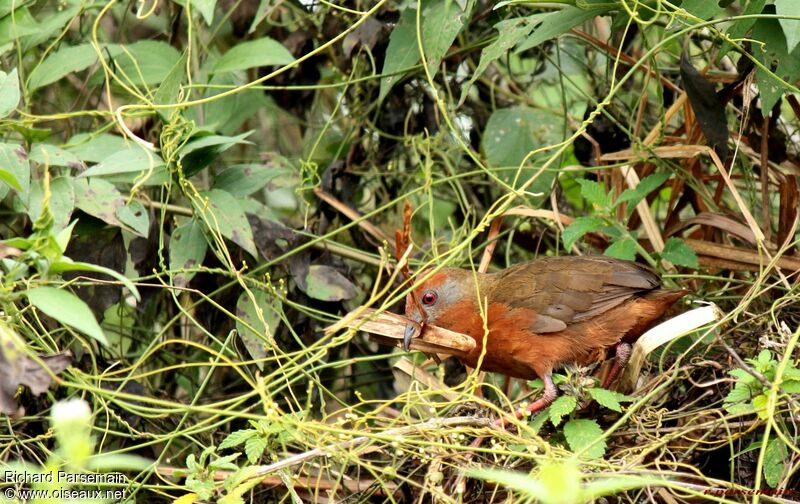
<point x="791" y="27"/>
<point x="136" y="217"/>
<point x="647" y="185"/>
<point x="561" y="407"/>
<point x="62" y="201"/>
<point x="129" y="166"/>
<point x="15" y="168"/>
<point x="200" y="152"/>
<point x="760" y="406"/>
<point x="608" y="398"/>
<point x="254" y="53"/>
<point x="622" y="249"/>
<point x="703" y="9"/>
<point x="679" y="254"/>
<point x="67" y="264"/>
<point x="557" y="23"/>
<point x="441" y="23"/>
<point x="580" y="227"/>
<point x="740" y="392"/>
<point x="510" y="33"/>
<point x="774" y="461"/>
<point x="243" y="180"/>
<point x="60" y="63"/>
<point x="775" y="55"/>
<point x="237" y="437"/>
<point x="96" y="148"/>
<point x="265" y="325"/>
<point x="51" y="155"/>
<point x="225" y="216"/>
<point x="512" y="133"/>
<point x="327" y="284"/>
<point x="68" y="309"/>
<point x="581" y="433"/>
<point x="9" y="92"/>
<point x="205" y="8"/>
<point x="595" y="193"/>
<point x="169" y="90"/>
<point x="254" y="448"/>
<point x="740" y="27"/>
<point x="144" y="62"/>
<point x="99" y="198"/>
<point x="187" y="250"/>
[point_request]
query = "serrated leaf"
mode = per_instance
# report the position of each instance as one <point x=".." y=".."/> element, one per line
<point x="622" y="249"/>
<point x="581" y="433"/>
<point x="9" y="92"/>
<point x="607" y="398"/>
<point x="254" y="448"/>
<point x="740" y="392"/>
<point x="538" y="421"/>
<point x="595" y="193"/>
<point x="774" y="461"/>
<point x="580" y="227"/>
<point x="224" y="215"/>
<point x="760" y="406"/>
<point x="327" y="284"/>
<point x="187" y="249"/>
<point x="68" y="309"/>
<point x="236" y="438"/>
<point x="254" y="53"/>
<point x="679" y="254"/>
<point x="647" y="185"/>
<point x="562" y="407"/>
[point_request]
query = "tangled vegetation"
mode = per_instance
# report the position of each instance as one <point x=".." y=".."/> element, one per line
<point x="194" y="190"/>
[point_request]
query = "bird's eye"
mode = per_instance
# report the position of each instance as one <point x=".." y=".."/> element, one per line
<point x="429" y="298"/>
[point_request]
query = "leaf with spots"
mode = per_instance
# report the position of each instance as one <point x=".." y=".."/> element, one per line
<point x="14" y="170"/>
<point x="100" y="199"/>
<point x="187" y="249"/>
<point x="224" y="215"/>
<point x="327" y="284"/>
<point x="257" y="319"/>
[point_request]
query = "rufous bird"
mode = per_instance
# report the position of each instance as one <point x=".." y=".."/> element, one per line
<point x="544" y="314"/>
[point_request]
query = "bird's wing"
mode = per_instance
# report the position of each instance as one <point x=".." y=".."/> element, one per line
<point x="564" y="290"/>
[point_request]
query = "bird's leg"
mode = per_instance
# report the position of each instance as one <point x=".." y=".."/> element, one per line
<point x="623" y="353"/>
<point x="550" y="394"/>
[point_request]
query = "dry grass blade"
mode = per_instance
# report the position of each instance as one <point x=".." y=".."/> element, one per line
<point x="664" y="332"/>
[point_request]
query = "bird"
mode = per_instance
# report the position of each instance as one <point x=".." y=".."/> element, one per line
<point x="540" y="315"/>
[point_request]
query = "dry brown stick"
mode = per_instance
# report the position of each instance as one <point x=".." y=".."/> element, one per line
<point x="739" y="255"/>
<point x="615" y="53"/>
<point x="488" y="252"/>
<point x="354" y="216"/>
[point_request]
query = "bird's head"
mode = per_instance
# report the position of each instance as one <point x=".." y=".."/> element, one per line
<point x="435" y="296"/>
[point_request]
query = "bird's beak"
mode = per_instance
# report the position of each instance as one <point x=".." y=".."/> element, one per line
<point x="410" y="330"/>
